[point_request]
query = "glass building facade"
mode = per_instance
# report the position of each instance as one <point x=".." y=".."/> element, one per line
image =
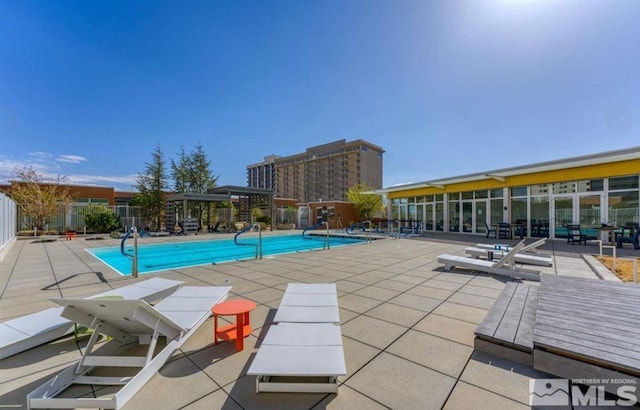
<point x="539" y="199"/>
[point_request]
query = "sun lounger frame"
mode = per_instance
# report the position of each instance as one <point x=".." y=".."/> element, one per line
<point x="533" y="258"/>
<point x="505" y="266"/>
<point x="47" y="325"/>
<point x="125" y="321"/>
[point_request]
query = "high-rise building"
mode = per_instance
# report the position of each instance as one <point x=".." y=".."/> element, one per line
<point x="263" y="174"/>
<point x="324" y="172"/>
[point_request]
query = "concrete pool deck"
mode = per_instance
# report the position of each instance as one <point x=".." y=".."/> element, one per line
<point x="407" y="325"/>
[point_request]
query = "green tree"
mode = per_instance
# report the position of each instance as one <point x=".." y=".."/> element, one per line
<point x="99" y="219"/>
<point x="367" y="205"/>
<point x="39" y="197"/>
<point x="192" y="174"/>
<point x="152" y="184"/>
<point x="180" y="171"/>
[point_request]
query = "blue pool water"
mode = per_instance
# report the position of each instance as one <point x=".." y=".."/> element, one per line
<point x="163" y="256"/>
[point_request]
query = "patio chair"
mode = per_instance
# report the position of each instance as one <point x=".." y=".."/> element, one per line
<point x="215" y="229"/>
<point x="504" y="230"/>
<point x="25" y="332"/>
<point x="506" y="266"/>
<point x="491" y="230"/>
<point x="635" y="240"/>
<point x="127" y="321"/>
<point x="628" y="226"/>
<point x="528" y="254"/>
<point x="302" y="351"/>
<point x="574" y="234"/>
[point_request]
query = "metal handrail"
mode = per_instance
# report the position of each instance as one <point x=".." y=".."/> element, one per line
<point x="399" y="229"/>
<point x="311" y="228"/>
<point x="134" y="257"/>
<point x="258" y="246"/>
<point x="350" y="230"/>
<point x="326" y="242"/>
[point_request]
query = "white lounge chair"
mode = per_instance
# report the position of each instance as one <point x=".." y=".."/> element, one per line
<point x="302" y="351"/>
<point x="309" y="303"/>
<point x="176" y="317"/>
<point x="533" y="258"/>
<point x="505" y="266"/>
<point x="25" y="332"/>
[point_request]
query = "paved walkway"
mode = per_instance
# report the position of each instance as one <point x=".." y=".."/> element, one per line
<point x="407" y="325"/>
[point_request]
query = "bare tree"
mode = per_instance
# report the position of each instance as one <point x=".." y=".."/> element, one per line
<point x="39" y="196"/>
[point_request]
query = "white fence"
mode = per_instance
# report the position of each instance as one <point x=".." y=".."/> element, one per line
<point x="8" y="220"/>
<point x="72" y="217"/>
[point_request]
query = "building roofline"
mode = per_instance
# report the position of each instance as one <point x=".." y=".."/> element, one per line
<point x="501" y="174"/>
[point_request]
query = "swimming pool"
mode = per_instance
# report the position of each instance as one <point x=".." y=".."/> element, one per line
<point x="173" y="255"/>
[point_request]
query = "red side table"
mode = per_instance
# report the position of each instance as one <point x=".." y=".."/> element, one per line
<point x="239" y="330"/>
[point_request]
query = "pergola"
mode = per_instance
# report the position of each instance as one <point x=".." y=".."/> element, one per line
<point x="247" y="199"/>
<point x="185" y="198"/>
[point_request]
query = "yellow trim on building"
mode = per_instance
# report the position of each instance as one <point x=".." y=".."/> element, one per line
<point x="606" y="170"/>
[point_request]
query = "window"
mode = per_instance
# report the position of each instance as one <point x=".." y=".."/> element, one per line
<point x="481" y="194"/>
<point x="496" y="193"/>
<point x="623" y="207"/>
<point x="540" y="189"/>
<point x="630" y="182"/>
<point x="519" y="191"/>
<point x="564" y="187"/>
<point x="591" y="185"/>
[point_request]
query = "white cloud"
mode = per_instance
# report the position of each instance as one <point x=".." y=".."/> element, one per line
<point x="39" y="155"/>
<point x="119" y="181"/>
<point x="71" y="159"/>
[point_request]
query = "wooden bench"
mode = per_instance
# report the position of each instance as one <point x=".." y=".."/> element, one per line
<point x="507" y="330"/>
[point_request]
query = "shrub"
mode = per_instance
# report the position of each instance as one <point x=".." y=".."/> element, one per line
<point x="264" y="218"/>
<point x="101" y="222"/>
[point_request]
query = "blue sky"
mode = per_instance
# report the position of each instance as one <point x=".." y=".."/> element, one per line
<point x="446" y="87"/>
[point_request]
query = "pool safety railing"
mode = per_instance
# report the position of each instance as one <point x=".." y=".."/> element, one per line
<point x="325" y="239"/>
<point x="258" y="246"/>
<point x="325" y="243"/>
<point x="311" y="228"/>
<point x="354" y="228"/>
<point x="369" y="232"/>
<point x="395" y="235"/>
<point x="134" y="258"/>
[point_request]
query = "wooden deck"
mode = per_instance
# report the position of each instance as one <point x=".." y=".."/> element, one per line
<point x="585" y="323"/>
<point x="507" y="330"/>
<point x="570" y="327"/>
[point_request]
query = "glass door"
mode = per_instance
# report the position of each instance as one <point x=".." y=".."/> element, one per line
<point x="428" y="218"/>
<point x="454" y="216"/>
<point x="590" y="215"/>
<point x="563" y="215"/>
<point x="539" y="216"/>
<point x="467" y="217"/>
<point x="481" y="216"/>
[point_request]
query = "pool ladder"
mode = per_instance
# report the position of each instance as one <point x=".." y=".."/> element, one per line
<point x="325" y="240"/>
<point x="258" y="246"/>
<point x="134" y="258"/>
